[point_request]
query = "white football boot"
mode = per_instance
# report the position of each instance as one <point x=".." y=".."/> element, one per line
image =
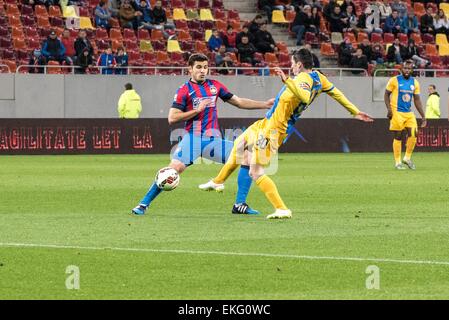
<point x="280" y="214"/>
<point x="211" y="186"/>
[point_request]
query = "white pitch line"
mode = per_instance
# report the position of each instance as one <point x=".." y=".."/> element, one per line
<point x="245" y="254"/>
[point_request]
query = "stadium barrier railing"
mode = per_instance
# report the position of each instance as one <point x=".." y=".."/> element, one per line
<point x="416" y="72"/>
<point x="183" y="71"/>
<point x="4" y="66"/>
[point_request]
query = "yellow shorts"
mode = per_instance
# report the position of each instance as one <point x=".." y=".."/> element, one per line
<point x="402" y="120"/>
<point x="263" y="142"/>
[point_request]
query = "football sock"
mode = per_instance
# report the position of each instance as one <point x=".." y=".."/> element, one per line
<point x="225" y="172"/>
<point x="410" y="145"/>
<point x="152" y="193"/>
<point x="271" y="192"/>
<point x="397" y="146"/>
<point x="244" y="182"/>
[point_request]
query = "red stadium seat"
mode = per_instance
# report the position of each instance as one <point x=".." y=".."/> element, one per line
<point x="233" y="15"/>
<point x="203" y="4"/>
<point x="217" y="4"/>
<point x="403" y="38"/>
<point x="219" y="14"/>
<point x="388" y="37"/>
<point x="101" y="34"/>
<point x="41" y="11"/>
<point x="143" y="34"/>
<point x="156" y="35"/>
<point x="27" y="10"/>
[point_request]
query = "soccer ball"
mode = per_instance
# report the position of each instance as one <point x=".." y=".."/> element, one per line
<point x="167" y="179"/>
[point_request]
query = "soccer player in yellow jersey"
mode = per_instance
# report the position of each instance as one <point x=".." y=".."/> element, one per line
<point x="399" y="94"/>
<point x="263" y="138"/>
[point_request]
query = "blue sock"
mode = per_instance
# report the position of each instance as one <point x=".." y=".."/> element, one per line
<point x="151" y="195"/>
<point x="244" y="184"/>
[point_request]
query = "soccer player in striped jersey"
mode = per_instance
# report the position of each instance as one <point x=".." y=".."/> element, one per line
<point x="195" y="103"/>
<point x="264" y="137"/>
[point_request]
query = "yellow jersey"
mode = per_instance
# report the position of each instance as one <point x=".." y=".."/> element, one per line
<point x="402" y="92"/>
<point x="297" y="95"/>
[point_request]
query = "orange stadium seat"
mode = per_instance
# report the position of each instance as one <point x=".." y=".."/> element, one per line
<point x="40" y="11"/>
<point x="327" y="50"/>
<point x="115" y="35"/>
<point x="55" y="11"/>
<point x="156" y="35"/>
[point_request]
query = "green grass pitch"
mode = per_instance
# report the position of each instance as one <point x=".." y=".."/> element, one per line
<point x="350" y="211"/>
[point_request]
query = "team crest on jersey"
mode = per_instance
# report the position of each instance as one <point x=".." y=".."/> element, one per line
<point x="213" y="89"/>
<point x="406" y="98"/>
<point x="196" y="102"/>
<point x="304" y="85"/>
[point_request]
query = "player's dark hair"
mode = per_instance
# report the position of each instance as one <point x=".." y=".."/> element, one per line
<point x="128" y="86"/>
<point x="304" y="56"/>
<point x="197" y="57"/>
<point x="434" y="87"/>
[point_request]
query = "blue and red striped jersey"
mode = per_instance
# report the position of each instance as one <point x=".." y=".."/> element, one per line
<point x="189" y="96"/>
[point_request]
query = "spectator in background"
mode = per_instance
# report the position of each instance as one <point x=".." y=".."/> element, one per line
<point x="427" y="21"/>
<point x="144" y="20"/>
<point x="82" y="43"/>
<point x="440" y="23"/>
<point x="411" y="52"/>
<point x="246" y="51"/>
<point x="329" y="9"/>
<point x="103" y="15"/>
<point x="345" y="52"/>
<point x="223" y="60"/>
<point x="244" y="33"/>
<point x="384" y="10"/>
<point x="433" y="103"/>
<point x="352" y="18"/>
<point x="396" y="52"/>
<point x="128" y="16"/>
<point x="229" y="39"/>
<point x="121" y="60"/>
<point x="69" y="45"/>
<point x="358" y="61"/>
<point x="316" y="61"/>
<point x="215" y="41"/>
<point x="268" y="6"/>
<point x="264" y="40"/>
<point x="400" y="7"/>
<point x="84" y="61"/>
<point x="254" y="26"/>
<point x="53" y="49"/>
<point x="303" y="23"/>
<point x="129" y="104"/>
<point x="36" y="59"/>
<point x="159" y="18"/>
<point x="113" y="6"/>
<point x="377" y="54"/>
<point x="347" y="3"/>
<point x="366" y="49"/>
<point x="410" y="23"/>
<point x="316" y="18"/>
<point x="106" y="61"/>
<point x="393" y="23"/>
<point x="338" y="22"/>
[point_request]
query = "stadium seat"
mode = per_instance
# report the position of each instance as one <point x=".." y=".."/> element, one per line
<point x="362" y="36"/>
<point x="157" y="35"/>
<point x="351" y="37"/>
<point x="17" y="32"/>
<point x="177" y="58"/>
<point x="197" y="35"/>
<point x="114" y="23"/>
<point x="200" y="46"/>
<point x="162" y="56"/>
<point x="428" y="38"/>
<point x="388" y="37"/>
<point x="284" y="59"/>
<point x="101" y="34"/>
<point x="69" y="12"/>
<point x="184" y="35"/>
<point x="28" y="21"/>
<point x="173" y="46"/>
<point x="203" y="4"/>
<point x="8" y="54"/>
<point x="233" y="15"/>
<point x="327" y="50"/>
<point x="270" y="58"/>
<point x="59" y="22"/>
<point x="190" y="4"/>
<point x="419" y="9"/>
<point x="440" y="38"/>
<point x="443" y="50"/>
<point x="194" y="25"/>
<point x="143" y="34"/>
<point x="282" y="46"/>
<point x="159" y="45"/>
<point x="12" y="9"/>
<point x="19" y="44"/>
<point x="42" y="22"/>
<point x="4" y="32"/>
<point x="310" y="38"/>
<point x="417" y="38"/>
<point x="149" y="57"/>
<point x="33" y="43"/>
<point x="116" y="44"/>
<point x="11" y="65"/>
<point x="181" y="25"/>
<point x="31" y="32"/>
<point x="336" y="38"/>
<point x="445" y="7"/>
<point x="27" y="10"/>
<point x="217" y="4"/>
<point x="5" y="43"/>
<point x="290" y="16"/>
<point x="55" y="11"/>
<point x="207" y="24"/>
<point x="40" y="11"/>
<point x="221" y="25"/>
<point x="277" y="16"/>
<point x="86" y="23"/>
<point x="145" y="46"/>
<point x="192" y="14"/>
<point x="376" y="38"/>
<point x="431" y="50"/>
<point x="115" y="35"/>
<point x="403" y="38"/>
<point x="207" y="35"/>
<point x="219" y="14"/>
<point x="14" y="21"/>
<point x="188" y="46"/>
<point x="206" y="15"/>
<point x="177" y="4"/>
<point x="179" y="14"/>
<point x="53" y="68"/>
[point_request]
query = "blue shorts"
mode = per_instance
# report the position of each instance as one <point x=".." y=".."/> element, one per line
<point x="192" y="147"/>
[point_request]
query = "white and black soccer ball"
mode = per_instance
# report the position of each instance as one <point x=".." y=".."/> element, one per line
<point x="167" y="179"/>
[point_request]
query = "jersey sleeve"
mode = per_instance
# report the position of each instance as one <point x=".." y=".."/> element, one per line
<point x="326" y="84"/>
<point x="392" y="84"/>
<point x="223" y="92"/>
<point x="180" y="99"/>
<point x="417" y="88"/>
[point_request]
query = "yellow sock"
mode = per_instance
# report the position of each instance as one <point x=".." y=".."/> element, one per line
<point x="228" y="168"/>
<point x="271" y="192"/>
<point x="410" y="145"/>
<point x="397" y="146"/>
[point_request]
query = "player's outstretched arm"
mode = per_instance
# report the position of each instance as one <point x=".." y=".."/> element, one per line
<point x="244" y="103"/>
<point x="176" y="115"/>
<point x="338" y="96"/>
<point x="387" y="104"/>
<point x="420" y="109"/>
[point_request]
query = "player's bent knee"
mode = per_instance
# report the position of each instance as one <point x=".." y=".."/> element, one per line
<point x="256" y="173"/>
<point x="177" y="165"/>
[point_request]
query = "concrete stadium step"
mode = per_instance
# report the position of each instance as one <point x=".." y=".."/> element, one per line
<point x="248" y="6"/>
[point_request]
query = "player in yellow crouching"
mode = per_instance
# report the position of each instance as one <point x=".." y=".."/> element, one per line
<point x="399" y="94"/>
<point x="263" y="138"/>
